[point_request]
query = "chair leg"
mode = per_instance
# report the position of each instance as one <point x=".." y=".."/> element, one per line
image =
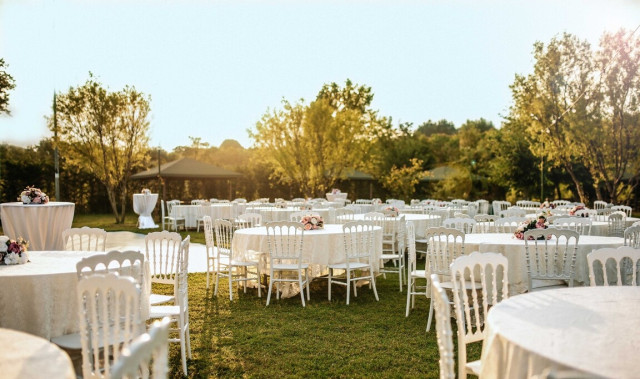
<point x="430" y="313"/>
<point x="329" y="281"/>
<point x="270" y="285"/>
<point x="348" y="272"/>
<point x="230" y="273"/>
<point x="373" y="282"/>
<point x="409" y="296"/>
<point x="306" y="277"/>
<point x="301" y="287"/>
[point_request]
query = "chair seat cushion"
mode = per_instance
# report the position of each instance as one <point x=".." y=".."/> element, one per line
<point x="155" y="299"/>
<point x="159" y="311"/>
<point x="419" y="274"/>
<point x="243" y="263"/>
<point x="352" y="265"/>
<point x="284" y="266"/>
<point x="389" y="256"/>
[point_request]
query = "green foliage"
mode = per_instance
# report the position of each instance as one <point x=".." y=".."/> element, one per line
<point x="401" y="182"/>
<point x="430" y="128"/>
<point x="311" y="147"/>
<point x="6" y="84"/>
<point x="104" y="133"/>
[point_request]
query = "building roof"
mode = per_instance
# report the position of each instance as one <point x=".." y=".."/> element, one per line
<point x="187" y="168"/>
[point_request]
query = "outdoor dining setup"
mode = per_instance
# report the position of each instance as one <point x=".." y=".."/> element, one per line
<point x="531" y="282"/>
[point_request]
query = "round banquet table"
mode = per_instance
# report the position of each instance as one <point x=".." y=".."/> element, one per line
<point x="143" y="205"/>
<point x="420" y="221"/>
<point x="27" y="356"/>
<point x="39" y="297"/>
<point x="514" y="249"/>
<point x="319" y="247"/>
<point x="270" y="214"/>
<point x="215" y="211"/>
<point x="590" y="329"/>
<point x="40" y="224"/>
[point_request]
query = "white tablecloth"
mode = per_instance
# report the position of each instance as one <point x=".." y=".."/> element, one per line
<point x="514" y="250"/>
<point x="270" y="214"/>
<point x="420" y="221"/>
<point x="40" y="224"/>
<point x="143" y="205"/>
<point x="320" y="247"/>
<point x="590" y="329"/>
<point x="338" y="197"/>
<point x="26" y="356"/>
<point x="215" y="211"/>
<point x="39" y="297"/>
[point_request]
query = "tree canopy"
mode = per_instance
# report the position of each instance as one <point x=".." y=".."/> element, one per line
<point x="105" y="133"/>
<point x="6" y="84"/>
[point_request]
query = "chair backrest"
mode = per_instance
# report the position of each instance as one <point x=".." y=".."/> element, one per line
<point x="358" y="241"/>
<point x="224" y="236"/>
<point x="364" y="201"/>
<point x="581" y="225"/>
<point x="411" y="247"/>
<point x="551" y="254"/>
<point x="285" y="242"/>
<point x="170" y="205"/>
<point x="485" y="223"/>
<point x="376" y="217"/>
<point x="464" y="224"/>
<point x="472" y="209"/>
<point x="622" y="208"/>
<point x="147" y="356"/>
<point x="632" y="236"/>
<point x="599" y="204"/>
<point x="162" y="251"/>
<point x="617" y="223"/>
<point x="297" y="216"/>
<point x="109" y="319"/>
<point x="514" y="211"/>
<point x="589" y="213"/>
<point x="254" y="218"/>
<point x="614" y="266"/>
<point x="483" y="206"/>
<point x="559" y="203"/>
<point x="181" y="284"/>
<point x="443" y="329"/>
<point x="84" y="239"/>
<point x="125" y="263"/>
<point x="499" y="206"/>
<point x="480" y="280"/>
<point x="444" y="245"/>
<point x="509" y="224"/>
<point x="344" y="215"/>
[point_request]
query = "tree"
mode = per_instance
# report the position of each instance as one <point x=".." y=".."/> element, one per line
<point x="312" y="146"/>
<point x="402" y="181"/>
<point x="443" y="126"/>
<point x="6" y="84"/>
<point x="105" y="132"/>
<point x="544" y="101"/>
<point x="611" y="149"/>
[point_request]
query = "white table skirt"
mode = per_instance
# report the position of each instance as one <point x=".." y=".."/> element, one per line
<point x="420" y="221"/>
<point x="40" y="224"/>
<point x="143" y="205"/>
<point x="590" y="329"/>
<point x="320" y="247"/>
<point x="27" y="356"/>
<point x="39" y="297"/>
<point x="215" y="211"/>
<point x="514" y="249"/>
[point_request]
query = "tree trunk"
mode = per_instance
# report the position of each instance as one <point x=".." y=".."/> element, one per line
<point x="114" y="204"/>
<point x="578" y="184"/>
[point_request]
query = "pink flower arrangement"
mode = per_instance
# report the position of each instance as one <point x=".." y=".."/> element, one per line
<point x="13" y="251"/>
<point x="312" y="222"/>
<point x="540" y="223"/>
<point x="335" y="190"/>
<point x="573" y="210"/>
<point x="33" y="195"/>
<point x="391" y="212"/>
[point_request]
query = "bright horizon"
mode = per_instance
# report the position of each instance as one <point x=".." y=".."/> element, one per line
<point x="214" y="68"/>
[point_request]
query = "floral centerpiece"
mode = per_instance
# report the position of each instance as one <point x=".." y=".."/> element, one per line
<point x="33" y="195"/>
<point x="539" y="223"/>
<point x="13" y="252"/>
<point x="146" y="191"/>
<point x="312" y="222"/>
<point x="376" y="201"/>
<point x="573" y="210"/>
<point x="547" y="205"/>
<point x="391" y="211"/>
<point x="335" y="190"/>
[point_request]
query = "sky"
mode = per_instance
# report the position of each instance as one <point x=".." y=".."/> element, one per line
<point x="214" y="68"/>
